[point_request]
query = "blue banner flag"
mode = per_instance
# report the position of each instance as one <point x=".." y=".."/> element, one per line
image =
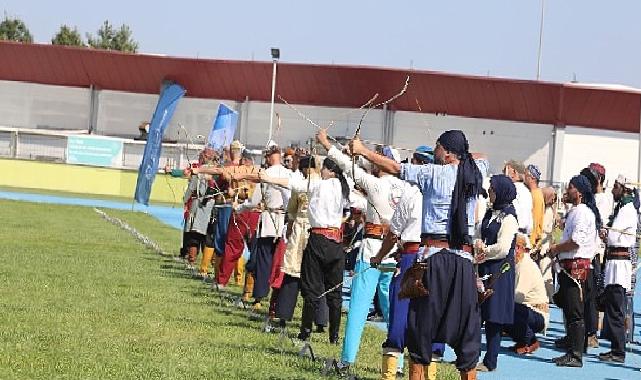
<point x="224" y="128"/>
<point x="169" y="97"/>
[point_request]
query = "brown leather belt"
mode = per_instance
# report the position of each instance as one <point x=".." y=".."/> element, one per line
<point x="431" y="243"/>
<point x="331" y="233"/>
<point x="618" y="253"/>
<point x="411" y="247"/>
<point x="376" y="231"/>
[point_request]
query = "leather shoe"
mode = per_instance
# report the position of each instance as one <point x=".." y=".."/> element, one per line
<point x="610" y="357"/>
<point x="568" y="360"/>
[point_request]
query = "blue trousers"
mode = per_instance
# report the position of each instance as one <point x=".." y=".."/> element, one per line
<point x="222" y="223"/>
<point x="493" y="341"/>
<point x="364" y="286"/>
<point x="527" y="323"/>
<point x="397" y="321"/>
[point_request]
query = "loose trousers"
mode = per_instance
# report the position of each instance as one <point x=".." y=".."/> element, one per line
<point x="321" y="270"/>
<point x="262" y="257"/>
<point x="615" y="318"/>
<point x="287" y="298"/>
<point x="241" y="226"/>
<point x="398" y="309"/>
<point x="448" y="314"/>
<point x="364" y="285"/>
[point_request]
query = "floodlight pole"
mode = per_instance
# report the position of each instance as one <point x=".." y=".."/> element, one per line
<point x="275" y="56"/>
<point x="538" y="58"/>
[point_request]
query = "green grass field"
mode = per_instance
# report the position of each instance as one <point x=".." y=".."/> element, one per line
<point x="82" y="299"/>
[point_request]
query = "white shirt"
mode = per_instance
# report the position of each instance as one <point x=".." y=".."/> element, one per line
<point x="325" y="201"/>
<point x="357" y="200"/>
<point x="605" y="204"/>
<point x="297" y="174"/>
<point x="383" y="195"/>
<point x="626" y="221"/>
<point x="580" y="227"/>
<point x="523" y="206"/>
<point x="407" y="218"/>
<point x="504" y="238"/>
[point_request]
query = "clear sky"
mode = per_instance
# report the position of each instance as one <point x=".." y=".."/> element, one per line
<point x="596" y="40"/>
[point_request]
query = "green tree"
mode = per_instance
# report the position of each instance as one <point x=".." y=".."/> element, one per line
<point x="14" y="29"/>
<point x="67" y="36"/>
<point x="111" y="38"/>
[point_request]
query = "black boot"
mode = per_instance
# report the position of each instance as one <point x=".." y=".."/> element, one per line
<point x="575" y="340"/>
<point x="304" y="334"/>
<point x="334" y="323"/>
<point x="561" y="343"/>
<point x="306" y="321"/>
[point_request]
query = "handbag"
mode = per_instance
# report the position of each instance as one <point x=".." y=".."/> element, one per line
<point x="412" y="282"/>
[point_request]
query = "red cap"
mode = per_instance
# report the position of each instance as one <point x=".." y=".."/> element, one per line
<point x="598" y="168"/>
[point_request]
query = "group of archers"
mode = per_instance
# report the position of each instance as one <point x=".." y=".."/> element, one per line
<point x="446" y="249"/>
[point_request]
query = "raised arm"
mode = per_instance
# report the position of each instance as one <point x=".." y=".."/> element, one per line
<point x="386" y="164"/>
<point x="262" y="177"/>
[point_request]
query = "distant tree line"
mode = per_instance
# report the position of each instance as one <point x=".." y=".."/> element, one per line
<point x="107" y="37"/>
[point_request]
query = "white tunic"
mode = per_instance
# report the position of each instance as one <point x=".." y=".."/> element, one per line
<point x="407" y="218"/>
<point x="580" y="227"/>
<point x="326" y="201"/>
<point x="604" y="203"/>
<point x="619" y="272"/>
<point x="383" y="195"/>
<point x="523" y="207"/>
<point x="299" y="229"/>
<point x="272" y="219"/>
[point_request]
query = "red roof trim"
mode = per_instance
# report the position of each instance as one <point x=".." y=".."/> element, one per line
<point x="527" y="101"/>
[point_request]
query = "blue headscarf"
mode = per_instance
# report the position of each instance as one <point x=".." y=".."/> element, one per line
<point x="505" y="192"/>
<point x="425" y="154"/>
<point x="468" y="183"/>
<point x="585" y="186"/>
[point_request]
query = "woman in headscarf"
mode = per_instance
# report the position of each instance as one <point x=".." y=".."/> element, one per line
<point x="493" y="251"/>
<point x="575" y="251"/>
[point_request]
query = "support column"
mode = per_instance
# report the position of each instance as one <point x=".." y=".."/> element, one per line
<point x="556" y="153"/>
<point x="93" y="109"/>
<point x="243" y="116"/>
<point x="391" y="126"/>
<point x="388" y="125"/>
